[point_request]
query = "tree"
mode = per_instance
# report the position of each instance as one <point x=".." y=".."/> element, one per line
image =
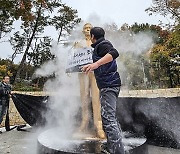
<point x="7" y="68"/>
<point x="163" y="66"/>
<point x="65" y="21"/>
<point x="35" y="16"/>
<point x="4" y="71"/>
<point x="165" y="57"/>
<point x="5" y="25"/>
<point x="165" y="7"/>
<point x="19" y="9"/>
<point x="11" y="10"/>
<point x="138" y="72"/>
<point x="160" y="36"/>
<point x="18" y="43"/>
<point x="33" y="30"/>
<point x="41" y="52"/>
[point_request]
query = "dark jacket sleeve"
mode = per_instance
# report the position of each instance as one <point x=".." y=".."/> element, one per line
<point x="5" y="90"/>
<point x="1" y="90"/>
<point x="107" y="48"/>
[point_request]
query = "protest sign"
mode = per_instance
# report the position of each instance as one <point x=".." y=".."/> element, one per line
<point x="78" y="58"/>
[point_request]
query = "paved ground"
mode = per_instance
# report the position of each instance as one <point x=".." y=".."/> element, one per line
<point x="18" y="142"/>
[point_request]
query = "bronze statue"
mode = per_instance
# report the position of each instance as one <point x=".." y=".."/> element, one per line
<point x="89" y="87"/>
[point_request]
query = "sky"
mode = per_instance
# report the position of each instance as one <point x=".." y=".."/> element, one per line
<point x="118" y="11"/>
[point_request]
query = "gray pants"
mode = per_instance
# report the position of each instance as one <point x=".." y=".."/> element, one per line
<point x="3" y="110"/>
<point x="108" y="98"/>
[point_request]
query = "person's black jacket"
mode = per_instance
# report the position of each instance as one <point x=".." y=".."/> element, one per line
<point x="106" y="75"/>
<point x="5" y="90"/>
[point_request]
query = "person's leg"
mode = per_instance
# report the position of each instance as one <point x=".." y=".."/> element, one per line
<point x="85" y="100"/>
<point x="108" y="98"/>
<point x="3" y="110"/>
<point x="96" y="107"/>
<point x="1" y="114"/>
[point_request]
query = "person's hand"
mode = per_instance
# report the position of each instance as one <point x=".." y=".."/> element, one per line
<point x="89" y="67"/>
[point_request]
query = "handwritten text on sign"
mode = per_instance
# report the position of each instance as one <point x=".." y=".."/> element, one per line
<point x="80" y="57"/>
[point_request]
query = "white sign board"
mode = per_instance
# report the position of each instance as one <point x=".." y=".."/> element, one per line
<point x="79" y="57"/>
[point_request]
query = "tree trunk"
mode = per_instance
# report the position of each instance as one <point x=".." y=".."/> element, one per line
<point x="0" y="32"/>
<point x="21" y="65"/>
<point x="170" y="77"/>
<point x="60" y="34"/>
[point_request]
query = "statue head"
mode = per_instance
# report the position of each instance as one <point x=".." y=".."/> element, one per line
<point x="86" y="29"/>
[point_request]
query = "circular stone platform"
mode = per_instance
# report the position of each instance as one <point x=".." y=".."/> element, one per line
<point x="50" y="142"/>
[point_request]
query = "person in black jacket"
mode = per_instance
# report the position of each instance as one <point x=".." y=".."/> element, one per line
<point x="108" y="81"/>
<point x="5" y="91"/>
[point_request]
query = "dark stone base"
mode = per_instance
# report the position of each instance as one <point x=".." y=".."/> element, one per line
<point x="49" y="142"/>
<point x="156" y="118"/>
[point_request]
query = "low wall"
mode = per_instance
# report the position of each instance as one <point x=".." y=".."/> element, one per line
<point x="16" y="119"/>
<point x="171" y="92"/>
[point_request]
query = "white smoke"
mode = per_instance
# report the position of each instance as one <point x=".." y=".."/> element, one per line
<point x="127" y="41"/>
<point x="123" y="40"/>
<point x="64" y="88"/>
<point x="129" y="44"/>
<point x="64" y="92"/>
